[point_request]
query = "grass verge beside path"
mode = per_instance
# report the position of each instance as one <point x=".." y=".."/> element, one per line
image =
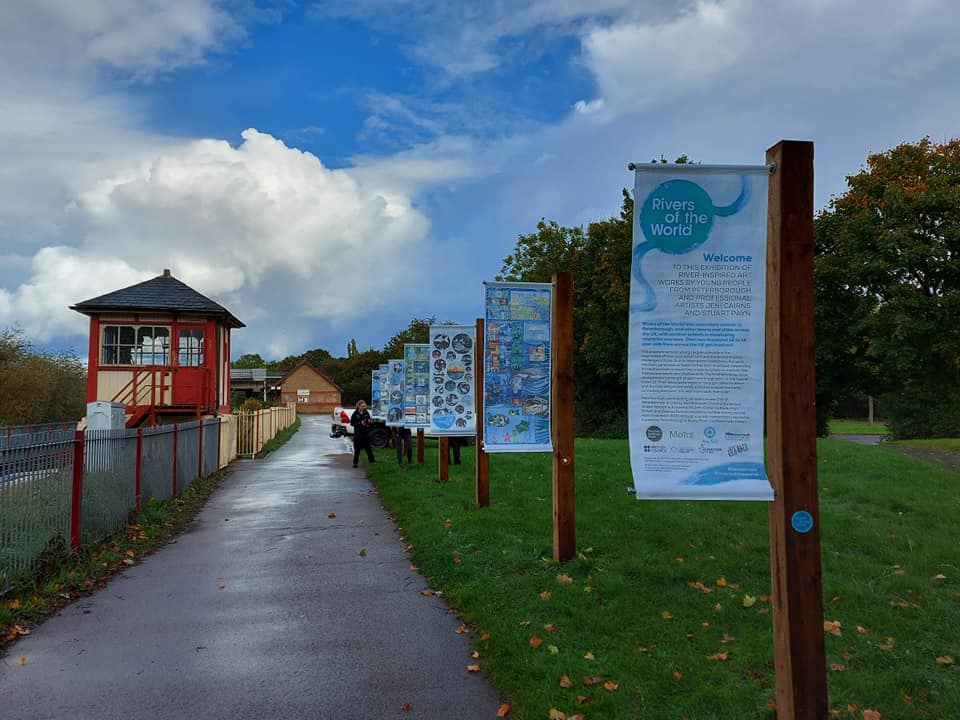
<point x="665" y="612"/>
<point x="842" y="426"/>
<point x="64" y="577"/>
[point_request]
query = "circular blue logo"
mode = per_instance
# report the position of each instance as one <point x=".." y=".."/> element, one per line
<point x="710" y="432"/>
<point x="802" y="521"/>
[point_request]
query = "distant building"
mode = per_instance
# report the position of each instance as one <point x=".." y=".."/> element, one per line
<point x="160" y="348"/>
<point x="310" y="389"/>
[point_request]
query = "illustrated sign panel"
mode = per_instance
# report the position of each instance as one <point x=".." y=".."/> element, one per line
<point x="381" y="412"/>
<point x="452" y="386"/>
<point x="394" y="390"/>
<point x="695" y="359"/>
<point x="375" y="394"/>
<point x="516" y="379"/>
<point x="416" y="385"/>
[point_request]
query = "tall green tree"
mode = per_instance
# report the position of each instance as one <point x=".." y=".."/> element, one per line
<point x="888" y="267"/>
<point x="248" y="361"/>
<point x="38" y="387"/>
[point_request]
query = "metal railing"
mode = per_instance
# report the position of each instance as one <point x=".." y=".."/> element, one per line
<point x="63" y="487"/>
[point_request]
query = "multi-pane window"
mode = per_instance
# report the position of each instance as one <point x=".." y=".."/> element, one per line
<point x="135" y="345"/>
<point x="190" y="347"/>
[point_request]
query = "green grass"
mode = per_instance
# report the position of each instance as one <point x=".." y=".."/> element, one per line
<point x="947" y="445"/>
<point x="280" y="439"/>
<point x="658" y="587"/>
<point x="842" y="426"/>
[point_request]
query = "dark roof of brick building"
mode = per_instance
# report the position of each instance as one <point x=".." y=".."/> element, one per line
<point x="162" y="293"/>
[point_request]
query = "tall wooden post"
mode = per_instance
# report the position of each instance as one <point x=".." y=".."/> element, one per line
<point x="482" y="459"/>
<point x="420" y="443"/>
<point x="561" y="424"/>
<point x="444" y="458"/>
<point x="800" y="658"/>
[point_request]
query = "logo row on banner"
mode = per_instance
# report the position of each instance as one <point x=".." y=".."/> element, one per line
<point x="433" y="386"/>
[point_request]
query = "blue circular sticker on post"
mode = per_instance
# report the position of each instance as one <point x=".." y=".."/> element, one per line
<point x="802" y="521"/>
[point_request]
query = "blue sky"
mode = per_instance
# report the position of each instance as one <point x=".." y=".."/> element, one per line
<point x="330" y="170"/>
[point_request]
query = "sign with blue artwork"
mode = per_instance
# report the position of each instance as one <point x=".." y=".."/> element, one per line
<point x="416" y="385"/>
<point x="381" y="412"/>
<point x="394" y="392"/>
<point x="375" y="394"/>
<point x="695" y="358"/>
<point x="453" y="351"/>
<point x="516" y="377"/>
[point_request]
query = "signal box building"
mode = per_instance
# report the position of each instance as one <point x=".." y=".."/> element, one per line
<point x="160" y="348"/>
<point x="310" y="389"/>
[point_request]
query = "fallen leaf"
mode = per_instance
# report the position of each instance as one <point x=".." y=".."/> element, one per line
<point x="22" y="660"/>
<point x="719" y="656"/>
<point x="503" y="710"/>
<point x="448" y="524"/>
<point x="832" y="626"/>
<point x="473" y="668"/>
<point x="535" y="642"/>
<point x="405" y="707"/>
<point x="545" y="595"/>
<point x="610" y="685"/>
<point x="457" y="560"/>
<point x="413" y="568"/>
<point x="221" y="586"/>
<point x="700" y="586"/>
<point x="944" y="660"/>
<point x="837" y="667"/>
<point x="666" y="615"/>
<point x="749" y="600"/>
<point x="578" y="716"/>
<point x="939" y="576"/>
<point x="589" y="656"/>
<point x="555" y="714"/>
<point x="461" y="630"/>
<point x="677" y="676"/>
<point x="554" y="650"/>
<point x="363" y="552"/>
<point x="426" y="593"/>
<point x="565" y="681"/>
<point x="131" y="553"/>
<point x="333" y="515"/>
<point x="550" y="627"/>
<point x="408" y="548"/>
<point x="524" y="623"/>
<point x="871" y="715"/>
<point x="584" y="699"/>
<point x="474" y="654"/>
<point x="727" y="639"/>
<point x="14" y="604"/>
<point x="128" y="561"/>
<point x="862" y="630"/>
<point x="721" y="582"/>
<point x="566" y="579"/>
<point x="485" y="636"/>
<point x="587" y="680"/>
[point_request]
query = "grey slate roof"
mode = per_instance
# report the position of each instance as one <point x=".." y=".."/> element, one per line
<point x="162" y="293"/>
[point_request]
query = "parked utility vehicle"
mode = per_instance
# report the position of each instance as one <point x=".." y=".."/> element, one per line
<point x="379" y="432"/>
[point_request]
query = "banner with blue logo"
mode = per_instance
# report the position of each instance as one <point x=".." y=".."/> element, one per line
<point x="453" y="351"/>
<point x="516" y="371"/>
<point x="375" y="395"/>
<point x="416" y="385"/>
<point x="695" y="359"/>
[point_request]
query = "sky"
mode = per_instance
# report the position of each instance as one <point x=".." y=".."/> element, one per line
<point x="331" y="170"/>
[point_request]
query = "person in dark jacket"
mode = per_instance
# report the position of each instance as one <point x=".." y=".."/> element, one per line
<point x="402" y="440"/>
<point x="361" y="422"/>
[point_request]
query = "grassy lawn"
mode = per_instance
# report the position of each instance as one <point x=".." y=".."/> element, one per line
<point x="665" y="613"/>
<point x="947" y="445"/>
<point x="856" y="427"/>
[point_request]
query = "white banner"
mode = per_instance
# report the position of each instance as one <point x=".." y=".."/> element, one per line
<point x="452" y="384"/>
<point x="695" y="360"/>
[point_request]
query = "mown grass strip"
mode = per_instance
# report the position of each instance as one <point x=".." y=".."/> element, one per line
<point x="669" y="601"/>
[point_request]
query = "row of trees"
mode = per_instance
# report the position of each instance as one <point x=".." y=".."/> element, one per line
<point x="887" y="274"/>
<point x="38" y="387"/>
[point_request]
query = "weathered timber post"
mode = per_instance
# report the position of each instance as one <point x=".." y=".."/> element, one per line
<point x="561" y="425"/>
<point x="482" y="459"/>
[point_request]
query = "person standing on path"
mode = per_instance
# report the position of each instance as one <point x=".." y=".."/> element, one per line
<point x="361" y="422"/>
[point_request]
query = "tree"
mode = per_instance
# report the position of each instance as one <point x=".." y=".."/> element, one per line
<point x="38" y="387"/>
<point x="248" y="361"/>
<point x="888" y="267"/>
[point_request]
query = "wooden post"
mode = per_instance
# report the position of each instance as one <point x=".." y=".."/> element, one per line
<point x="799" y="654"/>
<point x="420" y="444"/>
<point x="444" y="458"/>
<point x="482" y="459"/>
<point x="561" y="423"/>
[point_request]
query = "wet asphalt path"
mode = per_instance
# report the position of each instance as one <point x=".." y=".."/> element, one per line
<point x="302" y="627"/>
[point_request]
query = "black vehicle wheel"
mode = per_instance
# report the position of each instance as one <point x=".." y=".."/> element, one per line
<point x="379" y="438"/>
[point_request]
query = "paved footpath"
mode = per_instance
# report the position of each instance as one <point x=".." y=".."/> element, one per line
<point x="263" y="608"/>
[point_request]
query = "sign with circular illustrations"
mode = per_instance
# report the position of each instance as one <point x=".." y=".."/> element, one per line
<point x="452" y="388"/>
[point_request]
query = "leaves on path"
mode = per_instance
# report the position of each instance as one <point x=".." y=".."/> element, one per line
<point x="22" y="660"/>
<point x="474" y="668"/>
<point x="503" y="710"/>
